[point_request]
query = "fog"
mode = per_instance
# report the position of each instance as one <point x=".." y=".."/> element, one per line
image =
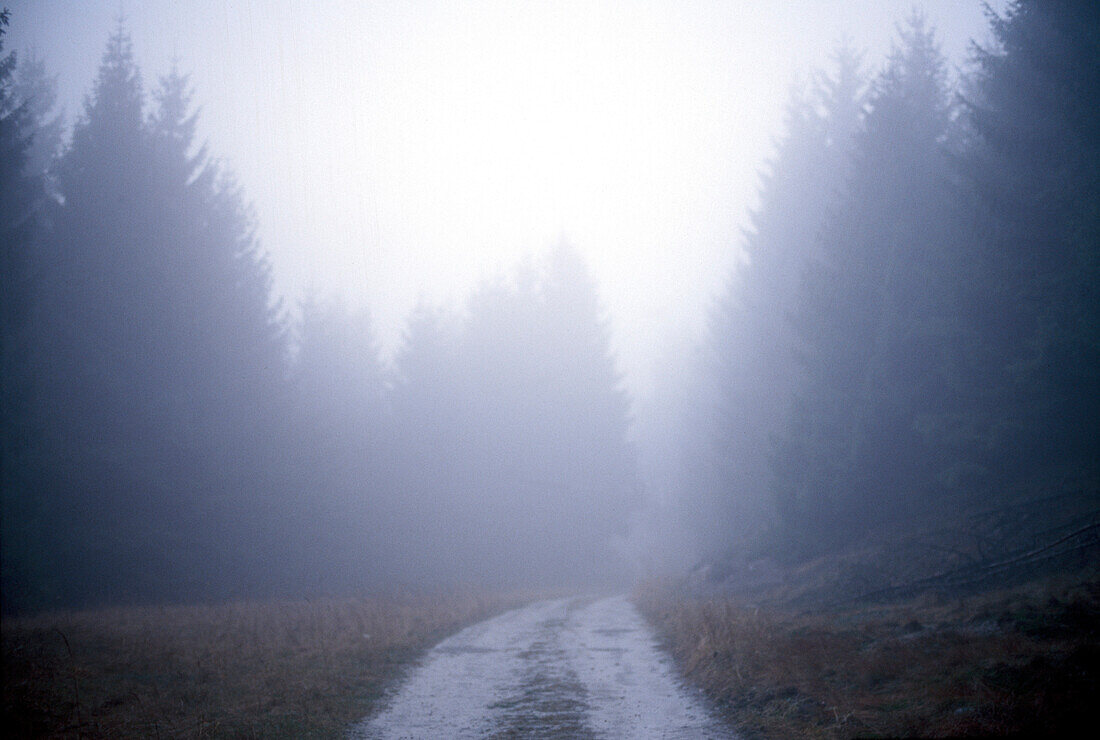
<point x="328" y="298"/>
<point x="400" y="151"/>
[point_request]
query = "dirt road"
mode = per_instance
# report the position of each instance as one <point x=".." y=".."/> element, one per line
<point x="564" y="668"/>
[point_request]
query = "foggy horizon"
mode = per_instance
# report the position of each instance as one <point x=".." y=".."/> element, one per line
<point x="317" y="300"/>
<point x="481" y="134"/>
<point x="564" y="368"/>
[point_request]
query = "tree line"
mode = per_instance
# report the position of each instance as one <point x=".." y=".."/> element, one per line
<point x="173" y="432"/>
<point x="912" y="333"/>
<point x="914" y="330"/>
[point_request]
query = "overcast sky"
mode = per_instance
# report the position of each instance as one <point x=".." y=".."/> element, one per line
<point x="395" y="150"/>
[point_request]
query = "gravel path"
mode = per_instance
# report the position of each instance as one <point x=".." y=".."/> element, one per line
<point x="573" y="668"/>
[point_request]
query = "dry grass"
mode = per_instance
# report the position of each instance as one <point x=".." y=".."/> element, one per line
<point x="276" y="669"/>
<point x="1025" y="661"/>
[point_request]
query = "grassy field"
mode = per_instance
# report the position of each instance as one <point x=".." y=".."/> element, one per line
<point x="271" y="669"/>
<point x="1021" y="661"/>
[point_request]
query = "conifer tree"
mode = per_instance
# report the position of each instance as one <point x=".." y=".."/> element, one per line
<point x="545" y="400"/>
<point x="1033" y="169"/>
<point x="431" y="433"/>
<point x="20" y="197"/>
<point x="752" y="343"/>
<point x="341" y="446"/>
<point x="512" y="430"/>
<point x="161" y="356"/>
<point x="870" y="316"/>
<point x="26" y="132"/>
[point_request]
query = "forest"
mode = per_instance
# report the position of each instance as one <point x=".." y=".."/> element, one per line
<point x="909" y="338"/>
<point x="170" y="434"/>
<point x="912" y="339"/>
<point x="860" y="497"/>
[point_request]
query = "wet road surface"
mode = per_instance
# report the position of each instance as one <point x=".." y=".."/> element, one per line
<point x="574" y="668"/>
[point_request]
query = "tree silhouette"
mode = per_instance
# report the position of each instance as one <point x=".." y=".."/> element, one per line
<point x="869" y="315"/>
<point x="159" y="355"/>
<point x="1032" y="168"/>
<point x="753" y="373"/>
<point x="27" y="136"/>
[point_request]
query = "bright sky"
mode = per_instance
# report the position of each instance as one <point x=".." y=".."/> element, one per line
<point x="395" y="150"/>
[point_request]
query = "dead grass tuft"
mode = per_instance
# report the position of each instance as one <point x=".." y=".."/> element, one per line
<point x="1024" y="661"/>
<point x="271" y="669"/>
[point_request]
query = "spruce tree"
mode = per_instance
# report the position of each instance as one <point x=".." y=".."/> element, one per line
<point x="552" y="466"/>
<point x="751" y="344"/>
<point x="20" y="199"/>
<point x="161" y="355"/>
<point x="870" y="317"/>
<point x="1032" y="168"/>
<point x="26" y="132"/>
<point x="341" y="448"/>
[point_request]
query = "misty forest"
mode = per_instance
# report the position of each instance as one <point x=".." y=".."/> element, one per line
<point x="896" y="394"/>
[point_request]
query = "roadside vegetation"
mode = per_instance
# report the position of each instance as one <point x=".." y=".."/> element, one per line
<point x="1022" y="660"/>
<point x="890" y="458"/>
<point x="249" y="669"/>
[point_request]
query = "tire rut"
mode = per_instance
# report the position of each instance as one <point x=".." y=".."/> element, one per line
<point x="577" y="668"/>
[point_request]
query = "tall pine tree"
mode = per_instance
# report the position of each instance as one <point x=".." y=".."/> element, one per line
<point x="341" y="447"/>
<point x="1034" y="171"/>
<point x="27" y="139"/>
<point x="871" y="318"/>
<point x="161" y="356"/>
<point x="752" y="344"/>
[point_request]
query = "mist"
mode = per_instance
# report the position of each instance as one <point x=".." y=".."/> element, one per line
<point x="307" y="301"/>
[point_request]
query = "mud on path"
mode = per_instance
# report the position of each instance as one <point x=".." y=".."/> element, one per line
<point x="573" y="668"/>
